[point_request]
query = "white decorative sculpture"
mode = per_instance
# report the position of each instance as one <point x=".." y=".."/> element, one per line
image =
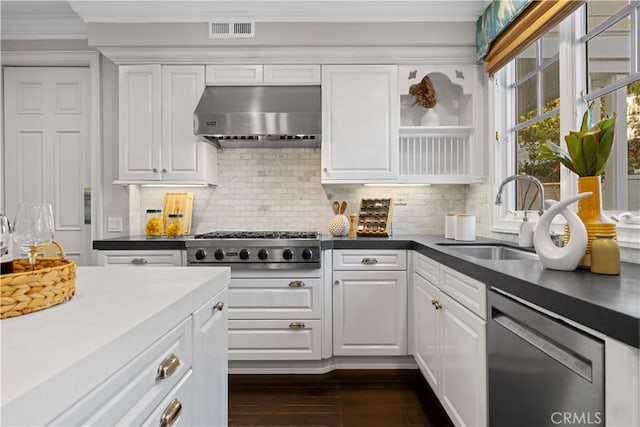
<point x="567" y="257"/>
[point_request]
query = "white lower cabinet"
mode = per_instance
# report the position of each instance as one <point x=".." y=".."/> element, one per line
<point x="275" y="315"/>
<point x="450" y="339"/>
<point x="369" y="304"/>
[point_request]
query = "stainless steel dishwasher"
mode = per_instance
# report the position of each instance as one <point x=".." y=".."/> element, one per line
<point x="542" y="371"/>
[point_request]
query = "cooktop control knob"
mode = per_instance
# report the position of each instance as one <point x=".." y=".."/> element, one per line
<point x="263" y="254"/>
<point x="218" y="254"/>
<point x="287" y="254"/>
<point x="244" y="254"/>
<point x="201" y="254"/>
<point x="306" y="254"/>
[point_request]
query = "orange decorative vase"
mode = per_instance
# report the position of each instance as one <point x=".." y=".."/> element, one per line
<point x="590" y="212"/>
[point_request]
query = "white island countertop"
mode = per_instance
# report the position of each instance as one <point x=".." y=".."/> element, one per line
<point x="53" y="357"/>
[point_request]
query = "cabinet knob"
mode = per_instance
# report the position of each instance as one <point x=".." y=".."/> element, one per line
<point x="154" y="170"/>
<point x="296" y="325"/>
<point x="167" y="367"/>
<point x="337" y="282"/>
<point x="218" y="306"/>
<point x="164" y="170"/>
<point x="296" y="284"/>
<point x="139" y="261"/>
<point x="369" y="261"/>
<point x="171" y="413"/>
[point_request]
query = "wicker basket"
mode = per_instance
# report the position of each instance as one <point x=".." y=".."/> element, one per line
<point x="26" y="290"/>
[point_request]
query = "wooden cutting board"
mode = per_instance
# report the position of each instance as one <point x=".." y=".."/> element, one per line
<point x="179" y="203"/>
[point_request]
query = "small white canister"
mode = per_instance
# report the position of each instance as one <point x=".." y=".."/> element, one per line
<point x="465" y="229"/>
<point x="450" y="226"/>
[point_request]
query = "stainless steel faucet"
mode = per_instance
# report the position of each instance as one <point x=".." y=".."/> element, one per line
<point x="524" y="178"/>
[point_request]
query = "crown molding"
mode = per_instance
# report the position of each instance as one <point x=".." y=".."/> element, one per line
<point x="287" y="55"/>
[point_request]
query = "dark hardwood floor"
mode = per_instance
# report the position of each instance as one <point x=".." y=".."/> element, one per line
<point x="386" y="398"/>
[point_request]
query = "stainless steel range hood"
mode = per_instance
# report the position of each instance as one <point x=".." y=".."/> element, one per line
<point x="260" y="116"/>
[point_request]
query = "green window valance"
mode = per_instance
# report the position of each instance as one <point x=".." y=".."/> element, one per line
<point x="496" y="17"/>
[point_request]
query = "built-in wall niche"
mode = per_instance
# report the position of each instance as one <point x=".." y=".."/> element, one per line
<point x="453" y="94"/>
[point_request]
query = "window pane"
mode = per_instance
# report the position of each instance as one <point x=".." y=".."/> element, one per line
<point x="528" y="140"/>
<point x="526" y="62"/>
<point x="526" y="99"/>
<point x="550" y="43"/>
<point x="621" y="180"/>
<point x="600" y="11"/>
<point x="551" y="86"/>
<point x="608" y="55"/>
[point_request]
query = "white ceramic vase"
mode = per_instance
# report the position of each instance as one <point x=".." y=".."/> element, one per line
<point x="430" y="118"/>
<point x="567" y="257"/>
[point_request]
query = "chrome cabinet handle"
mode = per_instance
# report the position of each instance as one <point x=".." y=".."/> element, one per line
<point x="168" y="367"/>
<point x="296" y="284"/>
<point x="369" y="261"/>
<point x="139" y="261"/>
<point x="171" y="413"/>
<point x="218" y="306"/>
<point x="296" y="325"/>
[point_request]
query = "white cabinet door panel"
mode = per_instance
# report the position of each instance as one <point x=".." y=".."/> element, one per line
<point x="137" y="258"/>
<point x="359" y="123"/>
<point x="428" y="331"/>
<point x="467" y="291"/>
<point x="233" y="74"/>
<point x="369" y="313"/>
<point x="464" y="381"/>
<point x="183" y="393"/>
<point x="351" y="259"/>
<point x="292" y="74"/>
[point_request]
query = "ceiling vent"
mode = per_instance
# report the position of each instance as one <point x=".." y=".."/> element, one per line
<point x="231" y="30"/>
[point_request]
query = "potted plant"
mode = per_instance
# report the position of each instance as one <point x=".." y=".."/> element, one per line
<point x="425" y="96"/>
<point x="587" y="153"/>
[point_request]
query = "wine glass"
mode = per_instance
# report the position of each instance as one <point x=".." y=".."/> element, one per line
<point x="33" y="227"/>
<point x="5" y="246"/>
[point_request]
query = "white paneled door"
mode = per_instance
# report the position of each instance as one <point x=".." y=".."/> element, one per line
<point x="47" y="152"/>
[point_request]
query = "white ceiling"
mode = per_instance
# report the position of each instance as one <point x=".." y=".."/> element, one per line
<point x="26" y="19"/>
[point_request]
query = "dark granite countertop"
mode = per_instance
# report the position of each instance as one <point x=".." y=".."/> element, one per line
<point x="608" y="304"/>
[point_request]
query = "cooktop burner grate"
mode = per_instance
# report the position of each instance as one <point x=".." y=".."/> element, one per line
<point x="258" y="235"/>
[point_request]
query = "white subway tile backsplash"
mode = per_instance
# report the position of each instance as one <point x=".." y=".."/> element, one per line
<point x="279" y="189"/>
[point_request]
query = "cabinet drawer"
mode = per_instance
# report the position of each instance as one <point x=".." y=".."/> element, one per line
<point x="166" y="258"/>
<point x="369" y="259"/>
<point x="425" y="267"/>
<point x="127" y="397"/>
<point x="469" y="292"/>
<point x="183" y="394"/>
<point x="274" y="340"/>
<point x="275" y="298"/>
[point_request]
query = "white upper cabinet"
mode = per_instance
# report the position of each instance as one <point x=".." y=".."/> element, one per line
<point x="156" y="126"/>
<point x="360" y="105"/>
<point x="442" y="145"/>
<point x="222" y="75"/>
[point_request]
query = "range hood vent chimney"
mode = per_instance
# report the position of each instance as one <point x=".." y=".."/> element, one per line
<point x="260" y="116"/>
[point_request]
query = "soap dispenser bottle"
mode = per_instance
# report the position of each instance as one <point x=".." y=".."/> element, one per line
<point x="525" y="236"/>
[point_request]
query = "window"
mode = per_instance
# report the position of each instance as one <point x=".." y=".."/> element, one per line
<point x="535" y="91"/>
<point x="613" y="82"/>
<point x="601" y="44"/>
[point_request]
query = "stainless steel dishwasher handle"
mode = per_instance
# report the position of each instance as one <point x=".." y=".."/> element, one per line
<point x="536" y="339"/>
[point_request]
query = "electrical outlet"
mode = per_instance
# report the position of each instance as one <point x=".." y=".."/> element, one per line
<point x="401" y="200"/>
<point x="114" y="224"/>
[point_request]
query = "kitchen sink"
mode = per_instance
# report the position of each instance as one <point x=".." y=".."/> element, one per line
<point x="493" y="252"/>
